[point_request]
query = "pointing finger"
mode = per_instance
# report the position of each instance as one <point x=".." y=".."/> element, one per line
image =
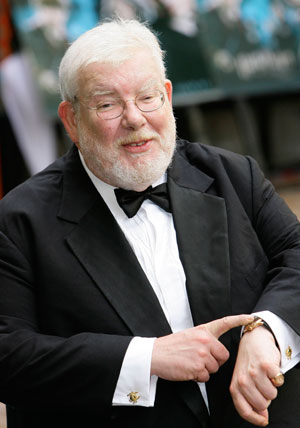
<point x="222" y="325"/>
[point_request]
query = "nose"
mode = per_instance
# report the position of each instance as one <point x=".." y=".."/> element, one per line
<point x="132" y="117"/>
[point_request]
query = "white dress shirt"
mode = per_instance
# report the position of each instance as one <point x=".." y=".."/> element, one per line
<point x="152" y="236"/>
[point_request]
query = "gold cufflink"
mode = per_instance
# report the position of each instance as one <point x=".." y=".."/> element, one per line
<point x="133" y="397"/>
<point x="288" y="352"/>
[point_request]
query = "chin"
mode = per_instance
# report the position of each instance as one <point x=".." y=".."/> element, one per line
<point x="140" y="176"/>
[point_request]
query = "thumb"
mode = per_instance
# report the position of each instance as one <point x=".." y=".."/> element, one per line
<point x="222" y="325"/>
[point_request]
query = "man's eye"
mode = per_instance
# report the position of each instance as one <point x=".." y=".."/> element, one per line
<point x="105" y="106"/>
<point x="147" y="97"/>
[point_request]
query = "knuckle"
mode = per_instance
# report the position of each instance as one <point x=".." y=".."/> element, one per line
<point x="265" y="366"/>
<point x="203" y="331"/>
<point x="225" y="354"/>
<point x="202" y="353"/>
<point x="206" y="377"/>
<point x="242" y="381"/>
<point x="203" y="376"/>
<point x="273" y="394"/>
<point x="198" y="366"/>
<point x="226" y="321"/>
<point x="204" y="340"/>
<point x="232" y="390"/>
<point x="214" y="368"/>
<point x="245" y="413"/>
<point x="260" y="406"/>
<point x="253" y="373"/>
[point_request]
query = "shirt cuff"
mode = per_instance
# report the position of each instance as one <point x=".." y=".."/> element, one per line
<point x="135" y="386"/>
<point x="288" y="340"/>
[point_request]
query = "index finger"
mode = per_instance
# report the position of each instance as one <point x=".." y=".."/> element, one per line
<point x="222" y="325"/>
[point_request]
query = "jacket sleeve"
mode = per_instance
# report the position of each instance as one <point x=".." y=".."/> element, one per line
<point x="278" y="231"/>
<point x="45" y="370"/>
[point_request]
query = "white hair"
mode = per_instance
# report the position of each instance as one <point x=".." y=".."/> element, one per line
<point x="110" y="42"/>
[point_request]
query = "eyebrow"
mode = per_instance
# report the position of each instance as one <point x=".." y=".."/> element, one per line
<point x="102" y="92"/>
<point x="150" y="84"/>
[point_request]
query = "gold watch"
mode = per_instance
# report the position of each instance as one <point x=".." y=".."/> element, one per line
<point x="258" y="322"/>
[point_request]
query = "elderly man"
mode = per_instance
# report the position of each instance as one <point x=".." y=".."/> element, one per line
<point x="126" y="265"/>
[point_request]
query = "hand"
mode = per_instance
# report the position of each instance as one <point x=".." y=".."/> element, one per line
<point x="195" y="353"/>
<point x="251" y="388"/>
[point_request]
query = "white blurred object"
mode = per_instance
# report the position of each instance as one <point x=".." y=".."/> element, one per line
<point x="32" y="126"/>
<point x="2" y="416"/>
<point x="183" y="16"/>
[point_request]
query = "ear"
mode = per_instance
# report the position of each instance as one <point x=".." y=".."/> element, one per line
<point x="169" y="89"/>
<point x="68" y="117"/>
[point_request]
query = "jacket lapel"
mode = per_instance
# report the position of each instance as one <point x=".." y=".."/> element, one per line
<point x="101" y="247"/>
<point x="201" y="226"/>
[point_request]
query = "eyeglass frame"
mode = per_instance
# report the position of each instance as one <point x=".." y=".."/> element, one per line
<point x="123" y="104"/>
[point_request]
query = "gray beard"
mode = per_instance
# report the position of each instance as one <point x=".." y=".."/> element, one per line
<point x="144" y="174"/>
<point x="112" y="170"/>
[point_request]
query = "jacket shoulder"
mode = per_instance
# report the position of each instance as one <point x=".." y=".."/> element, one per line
<point x="204" y="154"/>
<point x="218" y="162"/>
<point x="233" y="173"/>
<point x="41" y="186"/>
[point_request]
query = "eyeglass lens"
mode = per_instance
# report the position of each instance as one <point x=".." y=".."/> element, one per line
<point x="146" y="102"/>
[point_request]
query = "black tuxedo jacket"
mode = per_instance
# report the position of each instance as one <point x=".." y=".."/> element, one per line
<point x="72" y="293"/>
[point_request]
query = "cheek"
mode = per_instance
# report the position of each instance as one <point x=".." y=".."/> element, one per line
<point x="165" y="114"/>
<point x="107" y="134"/>
<point x="161" y="124"/>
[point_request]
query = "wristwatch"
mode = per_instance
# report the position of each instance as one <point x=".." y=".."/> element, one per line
<point x="258" y="322"/>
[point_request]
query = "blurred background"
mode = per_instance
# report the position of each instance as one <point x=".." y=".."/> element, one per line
<point x="234" y="64"/>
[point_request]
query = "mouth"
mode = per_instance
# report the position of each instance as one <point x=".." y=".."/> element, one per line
<point x="137" y="146"/>
<point x="137" y="143"/>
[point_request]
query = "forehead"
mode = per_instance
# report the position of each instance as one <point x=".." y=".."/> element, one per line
<point x="132" y="75"/>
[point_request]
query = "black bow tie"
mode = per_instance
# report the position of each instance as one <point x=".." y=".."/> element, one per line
<point x="130" y="201"/>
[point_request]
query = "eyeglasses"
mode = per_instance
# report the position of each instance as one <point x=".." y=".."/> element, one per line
<point x="111" y="107"/>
